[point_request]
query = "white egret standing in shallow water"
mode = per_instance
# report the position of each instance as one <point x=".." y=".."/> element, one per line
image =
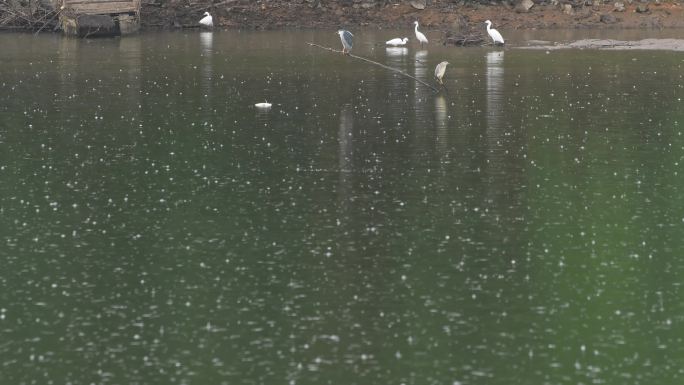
<point x="419" y="35"/>
<point x="439" y="71"/>
<point x="207" y="20"/>
<point x="494" y="34"/>
<point x="347" y="40"/>
<point x="397" y="41"/>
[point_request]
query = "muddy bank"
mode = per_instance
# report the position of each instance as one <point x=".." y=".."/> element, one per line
<point x="452" y="15"/>
<point x="437" y="14"/>
<point x="608" y="44"/>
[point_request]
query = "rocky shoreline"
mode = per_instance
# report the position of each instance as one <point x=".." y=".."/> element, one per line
<point x="612" y="45"/>
<point x="435" y="14"/>
<point x="445" y="15"/>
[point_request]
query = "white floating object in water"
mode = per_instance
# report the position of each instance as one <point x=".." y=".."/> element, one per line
<point x="263" y="105"/>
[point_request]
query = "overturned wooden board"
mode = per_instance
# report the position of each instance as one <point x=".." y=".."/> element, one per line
<point x="105" y="8"/>
<point x="94" y="7"/>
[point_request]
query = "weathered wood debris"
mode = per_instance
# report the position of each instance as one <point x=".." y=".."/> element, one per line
<point x="83" y="18"/>
<point x="27" y="15"/>
<point x="90" y="18"/>
<point x="465" y="37"/>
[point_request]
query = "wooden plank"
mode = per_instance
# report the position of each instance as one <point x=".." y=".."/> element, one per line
<point x="105" y="8"/>
<point x="69" y="3"/>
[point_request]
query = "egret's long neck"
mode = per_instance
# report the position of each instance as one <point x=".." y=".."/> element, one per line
<point x="416" y="27"/>
<point x="489" y="26"/>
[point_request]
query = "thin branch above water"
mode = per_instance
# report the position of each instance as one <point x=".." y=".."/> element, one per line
<point x="378" y="64"/>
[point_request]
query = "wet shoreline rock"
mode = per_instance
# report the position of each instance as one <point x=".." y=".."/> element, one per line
<point x="613" y="45"/>
<point x="608" y="18"/>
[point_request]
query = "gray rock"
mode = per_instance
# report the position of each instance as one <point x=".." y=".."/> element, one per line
<point x="567" y="9"/>
<point x="608" y="18"/>
<point x="418" y="4"/>
<point x="524" y="6"/>
<point x="642" y="8"/>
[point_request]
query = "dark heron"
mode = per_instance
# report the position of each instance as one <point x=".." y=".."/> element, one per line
<point x="347" y="40"/>
<point x="494" y="34"/>
<point x="439" y="71"/>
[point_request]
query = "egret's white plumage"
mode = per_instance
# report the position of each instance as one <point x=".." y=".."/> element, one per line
<point x="419" y="35"/>
<point x="494" y="34"/>
<point x="397" y="41"/>
<point x="207" y="20"/>
<point x="439" y="71"/>
<point x="347" y="40"/>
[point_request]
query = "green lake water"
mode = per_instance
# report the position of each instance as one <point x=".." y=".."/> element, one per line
<point x="525" y="227"/>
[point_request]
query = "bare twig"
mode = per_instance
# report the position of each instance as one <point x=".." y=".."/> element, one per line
<point x="16" y="16"/>
<point x="49" y="21"/>
<point x="378" y="64"/>
<point x="464" y="37"/>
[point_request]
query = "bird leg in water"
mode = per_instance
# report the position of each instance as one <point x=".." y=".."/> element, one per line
<point x="442" y="86"/>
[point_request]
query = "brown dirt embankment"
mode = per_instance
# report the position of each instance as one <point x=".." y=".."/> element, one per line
<point x="443" y="14"/>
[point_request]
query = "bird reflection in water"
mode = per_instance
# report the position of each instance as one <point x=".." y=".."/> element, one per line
<point x="441" y="125"/>
<point x="206" y="42"/>
<point x="421" y="71"/>
<point x="495" y="83"/>
<point x="396" y="57"/>
<point x="345" y="153"/>
<point x="207" y="45"/>
<point x="396" y="52"/>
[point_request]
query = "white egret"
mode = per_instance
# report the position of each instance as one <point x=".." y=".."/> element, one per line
<point x="494" y="34"/>
<point x="419" y="35"/>
<point x="397" y="41"/>
<point x="439" y="71"/>
<point x="347" y="40"/>
<point x="207" y="20"/>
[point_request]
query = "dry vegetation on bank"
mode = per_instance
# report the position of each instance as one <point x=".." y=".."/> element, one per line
<point x="329" y="14"/>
